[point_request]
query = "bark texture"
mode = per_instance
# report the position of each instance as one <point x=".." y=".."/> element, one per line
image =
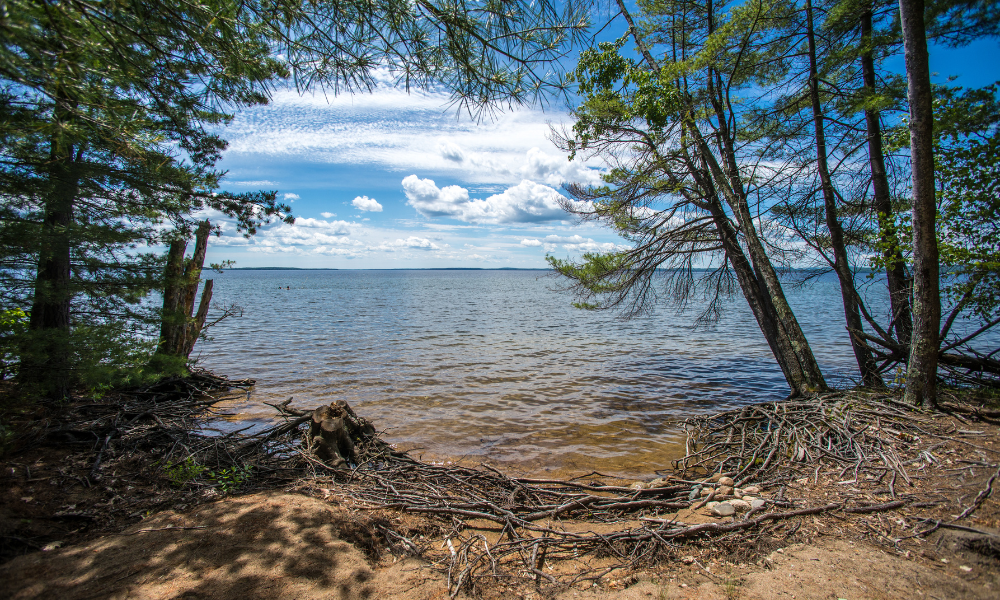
<point x="46" y="363"/>
<point x="181" y="326"/>
<point x="921" y="373"/>
<point x="897" y="278"/>
<point x="848" y="292"/>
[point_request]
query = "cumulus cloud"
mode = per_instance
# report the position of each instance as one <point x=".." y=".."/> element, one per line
<point x="527" y="202"/>
<point x="451" y="151"/>
<point x="328" y="215"/>
<point x="527" y="242"/>
<point x="291" y="197"/>
<point x="367" y="204"/>
<point x="555" y="169"/>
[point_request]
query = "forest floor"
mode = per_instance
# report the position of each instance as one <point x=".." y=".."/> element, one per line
<point x="131" y="532"/>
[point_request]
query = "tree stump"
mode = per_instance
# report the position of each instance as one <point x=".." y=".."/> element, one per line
<point x="333" y="431"/>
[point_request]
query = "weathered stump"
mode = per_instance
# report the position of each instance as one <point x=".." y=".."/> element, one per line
<point x="333" y="431"/>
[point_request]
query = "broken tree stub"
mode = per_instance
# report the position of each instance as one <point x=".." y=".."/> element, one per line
<point x="333" y="430"/>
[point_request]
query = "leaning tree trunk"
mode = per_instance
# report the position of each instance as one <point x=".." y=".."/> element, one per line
<point x="895" y="271"/>
<point x="921" y="372"/>
<point x="848" y="291"/>
<point x="180" y="326"/>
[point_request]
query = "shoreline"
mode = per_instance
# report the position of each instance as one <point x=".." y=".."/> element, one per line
<point x="132" y="510"/>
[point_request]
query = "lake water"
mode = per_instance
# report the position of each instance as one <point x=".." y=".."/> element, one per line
<point x="497" y="366"/>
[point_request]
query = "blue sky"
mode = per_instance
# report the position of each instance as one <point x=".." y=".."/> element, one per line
<point x="397" y="180"/>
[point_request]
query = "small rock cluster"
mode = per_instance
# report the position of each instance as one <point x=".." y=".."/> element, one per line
<point x="726" y="499"/>
<point x="732" y="499"/>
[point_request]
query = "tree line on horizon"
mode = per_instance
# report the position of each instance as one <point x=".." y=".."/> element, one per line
<point x="748" y="136"/>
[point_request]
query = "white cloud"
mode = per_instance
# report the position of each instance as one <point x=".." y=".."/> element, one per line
<point x="556" y="169"/>
<point x="328" y="215"/>
<point x="527" y="202"/>
<point x="451" y="151"/>
<point x="257" y="183"/>
<point x="527" y="242"/>
<point x="291" y="197"/>
<point x="367" y="204"/>
<point x="413" y="242"/>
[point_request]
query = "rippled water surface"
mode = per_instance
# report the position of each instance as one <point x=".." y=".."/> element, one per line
<point x="497" y="365"/>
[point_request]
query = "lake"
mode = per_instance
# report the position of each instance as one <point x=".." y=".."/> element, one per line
<point x="497" y="366"/>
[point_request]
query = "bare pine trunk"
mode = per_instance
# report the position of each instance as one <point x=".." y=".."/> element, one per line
<point x="848" y="292"/>
<point x="921" y="373"/>
<point x="179" y="329"/>
<point x="895" y="271"/>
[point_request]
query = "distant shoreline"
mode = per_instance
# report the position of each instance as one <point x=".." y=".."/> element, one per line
<point x="400" y="269"/>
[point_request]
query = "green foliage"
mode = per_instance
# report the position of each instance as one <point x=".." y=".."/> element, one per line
<point x="13" y="326"/>
<point x="227" y="479"/>
<point x="598" y="274"/>
<point x="618" y="90"/>
<point x="231" y="479"/>
<point x="967" y="165"/>
<point x="181" y="474"/>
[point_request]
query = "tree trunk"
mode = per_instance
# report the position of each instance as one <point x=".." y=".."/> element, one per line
<point x="921" y="372"/>
<point x="179" y="330"/>
<point x="756" y="276"/>
<point x="848" y="291"/>
<point x="895" y="270"/>
<point x="47" y="361"/>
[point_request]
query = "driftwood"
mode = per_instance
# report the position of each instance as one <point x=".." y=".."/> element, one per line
<point x="332" y="431"/>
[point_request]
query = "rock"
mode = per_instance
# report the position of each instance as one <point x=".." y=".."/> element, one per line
<point x="727" y="481"/>
<point x="749" y="499"/>
<point x="739" y="505"/>
<point x="758" y="503"/>
<point x="695" y="492"/>
<point x="658" y="483"/>
<point x="711" y="505"/>
<point x="715" y="478"/>
<point x="738" y="492"/>
<point x="688" y="560"/>
<point x="723" y="509"/>
<point x="752" y="490"/>
<point x="640" y="485"/>
<point x="725" y="490"/>
<point x="706" y="491"/>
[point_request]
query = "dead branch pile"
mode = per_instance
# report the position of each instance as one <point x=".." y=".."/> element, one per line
<point x="159" y="419"/>
<point x="506" y="528"/>
<point x="503" y="529"/>
<point x="855" y="431"/>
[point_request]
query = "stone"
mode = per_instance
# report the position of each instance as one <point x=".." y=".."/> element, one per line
<point x="640" y="485"/>
<point x="738" y="492"/>
<point x="711" y="505"/>
<point x="739" y="505"/>
<point x="695" y="492"/>
<point x="752" y="490"/>
<point x="688" y="560"/>
<point x="706" y="491"/>
<point x="723" y="509"/>
<point x="715" y="478"/>
<point x="725" y="490"/>
<point x="749" y="499"/>
<point x="727" y="481"/>
<point x="660" y="482"/>
<point x="758" y="503"/>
